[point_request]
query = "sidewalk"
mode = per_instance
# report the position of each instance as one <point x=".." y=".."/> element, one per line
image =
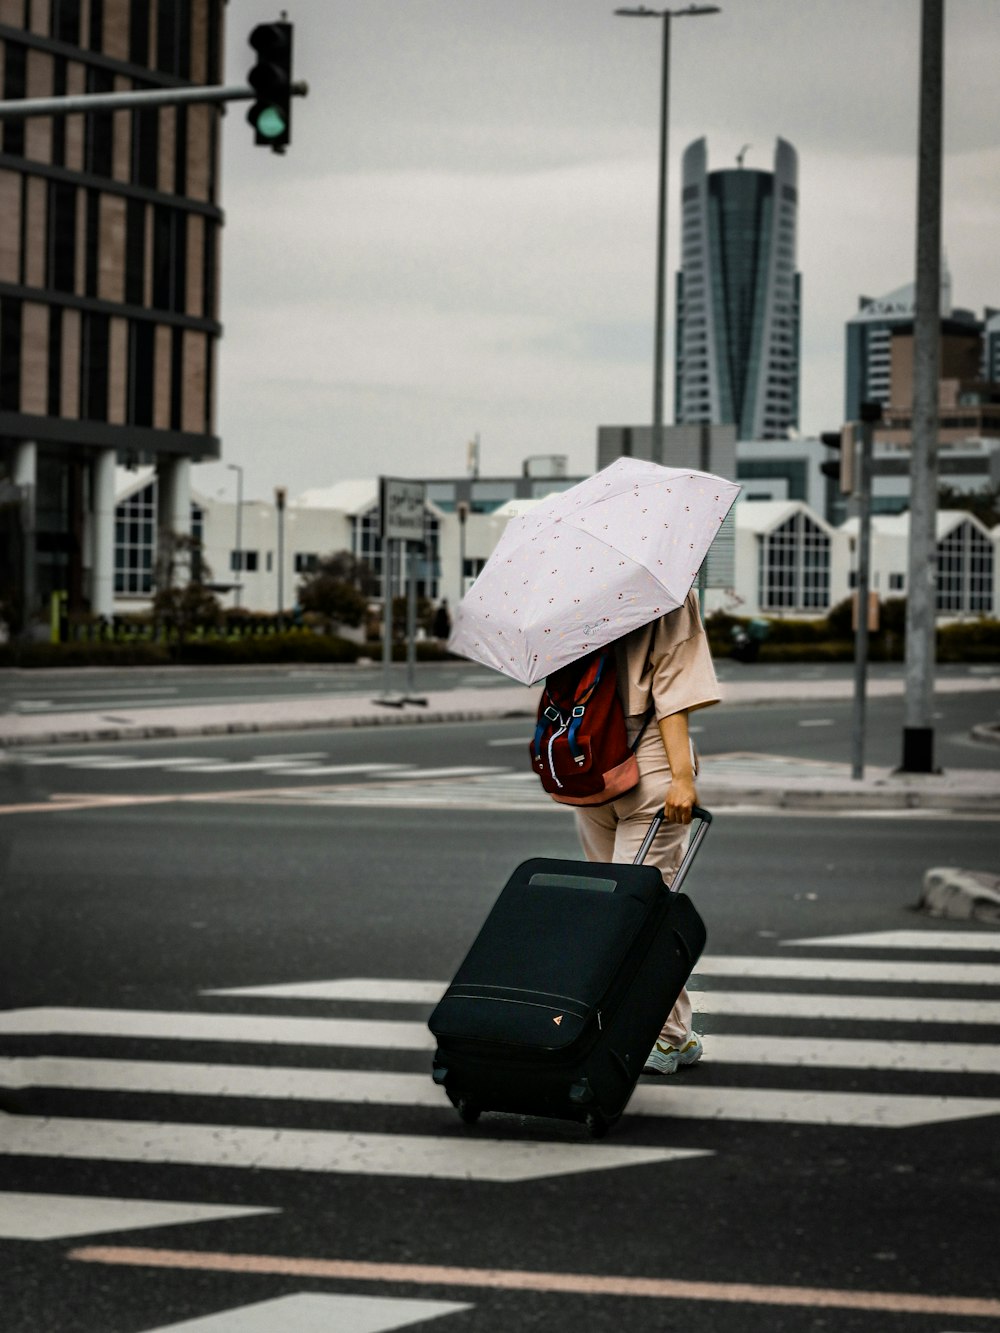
<point x="726" y="780"/>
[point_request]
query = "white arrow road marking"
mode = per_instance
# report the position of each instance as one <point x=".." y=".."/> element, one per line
<point x="59" y="1216"/>
<point x="459" y="1157"/>
<point x="958" y="940"/>
<point x="316" y="1312"/>
<point x="370" y="1087"/>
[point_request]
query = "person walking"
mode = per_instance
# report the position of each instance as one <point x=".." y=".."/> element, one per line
<point x="441" y="626"/>
<point x="665" y="672"/>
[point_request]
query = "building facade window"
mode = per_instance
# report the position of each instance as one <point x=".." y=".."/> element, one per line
<point x="965" y="572"/>
<point x="794" y="567"/>
<point x="135" y="543"/>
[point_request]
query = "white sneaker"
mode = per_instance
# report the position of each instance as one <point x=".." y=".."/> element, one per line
<point x="665" y="1059"/>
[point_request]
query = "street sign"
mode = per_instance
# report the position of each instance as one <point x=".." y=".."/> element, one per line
<point x="401" y="509"/>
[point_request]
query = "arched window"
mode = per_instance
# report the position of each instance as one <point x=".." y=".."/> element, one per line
<point x="135" y="542"/>
<point x="794" y="567"/>
<point x="965" y="572"/>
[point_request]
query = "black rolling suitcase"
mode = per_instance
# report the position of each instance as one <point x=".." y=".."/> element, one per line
<point x="565" y="989"/>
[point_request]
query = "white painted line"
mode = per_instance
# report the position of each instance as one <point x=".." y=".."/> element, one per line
<point x="380" y="1088"/>
<point x="889" y="1008"/>
<point x="455" y="1157"/>
<point x="219" y="1027"/>
<point x="943" y="1057"/>
<point x="373" y="989"/>
<point x="114" y="765"/>
<point x="818" y="722"/>
<point x="118" y="694"/>
<point x="86" y="760"/>
<point x="421" y="773"/>
<point x="512" y="740"/>
<point x="59" y="1216"/>
<point x="245" y="766"/>
<point x="856" y="1008"/>
<point x="776" y="1106"/>
<point x="294" y="758"/>
<point x="850" y="969"/>
<point x="324" y="770"/>
<point x="319" y="1312"/>
<point x="956" y="940"/>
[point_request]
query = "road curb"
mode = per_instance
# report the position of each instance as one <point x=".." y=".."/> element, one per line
<point x="164" y="731"/>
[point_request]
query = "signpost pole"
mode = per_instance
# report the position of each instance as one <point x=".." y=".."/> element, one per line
<point x="401" y="520"/>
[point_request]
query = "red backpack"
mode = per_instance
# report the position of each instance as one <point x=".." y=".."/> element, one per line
<point x="580" y="750"/>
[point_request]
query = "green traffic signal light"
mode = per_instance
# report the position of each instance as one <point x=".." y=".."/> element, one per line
<point x="270" y="123"/>
<point x="271" y="80"/>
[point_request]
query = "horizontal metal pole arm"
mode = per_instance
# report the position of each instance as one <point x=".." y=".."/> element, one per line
<point x="22" y="108"/>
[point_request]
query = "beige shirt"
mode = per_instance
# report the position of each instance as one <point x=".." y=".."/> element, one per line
<point x="668" y="664"/>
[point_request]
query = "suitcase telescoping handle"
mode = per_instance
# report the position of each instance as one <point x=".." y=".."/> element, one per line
<point x="692" y="850"/>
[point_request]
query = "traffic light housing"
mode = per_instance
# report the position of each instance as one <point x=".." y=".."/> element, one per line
<point x="271" y="80"/>
<point x="841" y="469"/>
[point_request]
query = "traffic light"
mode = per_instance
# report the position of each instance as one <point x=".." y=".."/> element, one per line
<point x="271" y="80"/>
<point x="842" y="468"/>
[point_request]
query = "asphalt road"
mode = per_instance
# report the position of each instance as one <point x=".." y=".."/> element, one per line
<point x="828" y="1166"/>
<point x="55" y="691"/>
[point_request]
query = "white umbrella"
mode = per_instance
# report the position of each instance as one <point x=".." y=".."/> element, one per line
<point x="589" y="564"/>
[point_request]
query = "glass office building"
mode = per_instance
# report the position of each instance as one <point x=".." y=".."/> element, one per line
<point x="739" y="296"/>
<point x="109" y="238"/>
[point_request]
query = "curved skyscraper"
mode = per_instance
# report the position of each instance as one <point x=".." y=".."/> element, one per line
<point x="738" y="296"/>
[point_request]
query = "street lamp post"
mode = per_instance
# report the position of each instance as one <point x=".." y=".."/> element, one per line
<point x="462" y="509"/>
<point x="235" y="467"/>
<point x="641" y="12"/>
<point x="280" y="495"/>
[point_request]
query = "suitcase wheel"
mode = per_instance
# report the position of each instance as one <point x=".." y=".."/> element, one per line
<point x="468" y="1110"/>
<point x="597" y="1124"/>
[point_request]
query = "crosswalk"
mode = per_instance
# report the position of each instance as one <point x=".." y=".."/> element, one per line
<point x="311" y="779"/>
<point x="837" y="1042"/>
<point x="239" y="1079"/>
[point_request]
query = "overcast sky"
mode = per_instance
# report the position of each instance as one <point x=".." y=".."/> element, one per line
<point x="461" y="238"/>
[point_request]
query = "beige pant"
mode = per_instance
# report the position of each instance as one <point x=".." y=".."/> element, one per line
<point x="614" y="832"/>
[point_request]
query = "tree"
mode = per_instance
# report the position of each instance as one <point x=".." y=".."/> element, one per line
<point x="984" y="503"/>
<point x="181" y="602"/>
<point x="338" y="588"/>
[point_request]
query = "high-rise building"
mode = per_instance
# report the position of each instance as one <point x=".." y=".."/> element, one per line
<point x="869" y="341"/>
<point x="991" y="346"/>
<point x="738" y="296"/>
<point x="109" y="234"/>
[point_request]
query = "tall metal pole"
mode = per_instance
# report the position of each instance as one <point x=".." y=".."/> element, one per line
<point x="921" y="597"/>
<point x="235" y="467"/>
<point x="863" y="584"/>
<point x="659" y="337"/>
<point x="279" y="502"/>
<point x="661" y="247"/>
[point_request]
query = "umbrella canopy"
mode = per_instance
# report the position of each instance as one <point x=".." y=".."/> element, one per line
<point x="589" y="564"/>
